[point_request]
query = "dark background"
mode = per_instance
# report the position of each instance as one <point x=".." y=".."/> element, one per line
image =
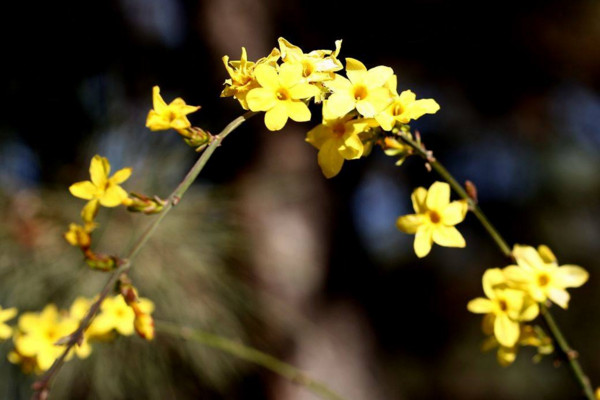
<point x="518" y="84"/>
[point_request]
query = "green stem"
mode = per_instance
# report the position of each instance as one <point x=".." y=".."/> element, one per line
<point x="569" y="354"/>
<point x="566" y="351"/>
<point x="249" y="354"/>
<point x="42" y="385"/>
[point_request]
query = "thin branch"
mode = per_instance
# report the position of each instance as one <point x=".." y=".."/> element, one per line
<point x="42" y="385"/>
<point x="249" y="354"/>
<point x="566" y="351"/>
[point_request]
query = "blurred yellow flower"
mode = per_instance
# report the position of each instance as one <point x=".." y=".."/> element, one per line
<point x="102" y="189"/>
<point x="38" y="334"/>
<point x="506" y="306"/>
<point x="165" y="116"/>
<point x="529" y="336"/>
<point x="5" y="315"/>
<point x="404" y="107"/>
<point x="337" y="140"/>
<point x="539" y="275"/>
<point x="144" y="326"/>
<point x="434" y="219"/>
<point x="79" y="235"/>
<point x="363" y="90"/>
<point x="241" y="74"/>
<point x="116" y="314"/>
<point x="281" y="95"/>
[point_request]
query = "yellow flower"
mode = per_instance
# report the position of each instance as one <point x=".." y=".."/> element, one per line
<point x="5" y="315"/>
<point x="505" y="306"/>
<point x="538" y="273"/>
<point x="529" y="336"/>
<point x="116" y="314"/>
<point x="242" y="78"/>
<point x="102" y="189"/>
<point x="317" y="66"/>
<point x="79" y="235"/>
<point x="165" y="116"/>
<point x="434" y="219"/>
<point x="404" y="107"/>
<point x="38" y="334"/>
<point x="144" y="326"/>
<point x="363" y="90"/>
<point x="337" y="140"/>
<point x="281" y="95"/>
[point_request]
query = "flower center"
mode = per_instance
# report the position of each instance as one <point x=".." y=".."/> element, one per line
<point x="503" y="305"/>
<point x="171" y="116"/>
<point x="434" y="217"/>
<point x="339" y="129"/>
<point x="282" y="94"/>
<point x="543" y="280"/>
<point x="360" y="92"/>
<point x="397" y="109"/>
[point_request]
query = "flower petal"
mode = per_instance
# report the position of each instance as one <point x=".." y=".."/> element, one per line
<point x="267" y="76"/>
<point x="423" y="241"/>
<point x="480" y="305"/>
<point x="438" y="196"/>
<point x="409" y="223"/>
<point x="355" y="70"/>
<point x="339" y="104"/>
<point x="491" y="278"/>
<point x="261" y="99"/>
<point x="352" y="147"/>
<point x="448" y="236"/>
<point x="329" y="158"/>
<point x="377" y="76"/>
<point x="303" y="91"/>
<point x="571" y="276"/>
<point x="276" y="117"/>
<point x="455" y="212"/>
<point x="99" y="170"/>
<point x="84" y="190"/>
<point x="121" y="176"/>
<point x="527" y="257"/>
<point x="560" y="297"/>
<point x="113" y="196"/>
<point x="297" y="111"/>
<point x="157" y="101"/>
<point x="319" y="135"/>
<point x="506" y="330"/>
<point x="290" y="74"/>
<point x="418" y="200"/>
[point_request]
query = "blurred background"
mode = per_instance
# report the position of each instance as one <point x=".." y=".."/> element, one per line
<point x="264" y="249"/>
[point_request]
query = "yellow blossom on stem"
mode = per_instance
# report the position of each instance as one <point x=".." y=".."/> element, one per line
<point x="337" y="140"/>
<point x="528" y="336"/>
<point x="540" y="276"/>
<point x="5" y="315"/>
<point x="101" y="189"/>
<point x="505" y="306"/>
<point x="144" y="326"/>
<point x="79" y="235"/>
<point x="165" y="116"/>
<point x="317" y="66"/>
<point x="281" y="94"/>
<point x="39" y="333"/>
<point x="434" y="219"/>
<point x="363" y="90"/>
<point x="241" y="74"/>
<point x="404" y="107"/>
<point x="116" y="314"/>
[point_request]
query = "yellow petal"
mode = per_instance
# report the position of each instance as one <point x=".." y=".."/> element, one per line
<point x="480" y="305"/>
<point x="491" y="278"/>
<point x="530" y="312"/>
<point x="7" y="314"/>
<point x="5" y="331"/>
<point x="303" y="91"/>
<point x="89" y="211"/>
<point x="318" y="135"/>
<point x="157" y="101"/>
<point x="113" y="196"/>
<point x="527" y="257"/>
<point x="418" y="200"/>
<point x="267" y="76"/>
<point x="84" y="190"/>
<point x="409" y="223"/>
<point x="423" y="241"/>
<point x="290" y="74"/>
<point x="377" y="76"/>
<point x="156" y="122"/>
<point x="546" y="254"/>
<point x="506" y="331"/>
<point x="448" y="236"/>
<point x="99" y="170"/>
<point x="419" y="108"/>
<point x="517" y="275"/>
<point x="455" y="212"/>
<point x="407" y="97"/>
<point x="355" y="70"/>
<point x="438" y="196"/>
<point x="385" y="120"/>
<point x="560" y="297"/>
<point x="121" y="176"/>
<point x="351" y="148"/>
<point x="366" y="108"/>
<point x="297" y="111"/>
<point x="339" y="104"/>
<point x="276" y="118"/>
<point x="506" y="355"/>
<point x="261" y="99"/>
<point x="330" y="160"/>
<point x="570" y="276"/>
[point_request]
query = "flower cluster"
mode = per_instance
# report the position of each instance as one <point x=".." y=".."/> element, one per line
<point x="40" y="337"/>
<point x="513" y="298"/>
<point x="358" y="110"/>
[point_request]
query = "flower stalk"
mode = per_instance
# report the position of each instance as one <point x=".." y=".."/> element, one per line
<point x="566" y="352"/>
<point x="42" y="386"/>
